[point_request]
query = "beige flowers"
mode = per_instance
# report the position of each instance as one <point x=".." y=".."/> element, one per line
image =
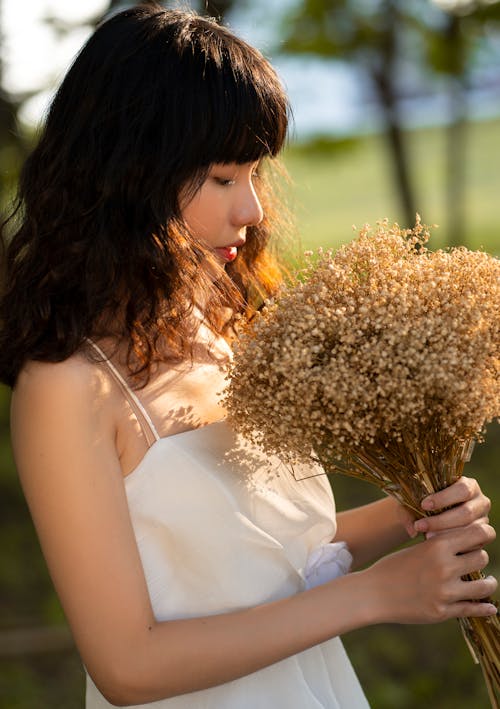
<point x="383" y="337"/>
<point x="383" y="362"/>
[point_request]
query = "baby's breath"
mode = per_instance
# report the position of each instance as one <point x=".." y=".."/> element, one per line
<point x="383" y="336"/>
<point x="383" y="362"/>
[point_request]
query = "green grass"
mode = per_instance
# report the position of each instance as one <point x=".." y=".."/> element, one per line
<point x="332" y="191"/>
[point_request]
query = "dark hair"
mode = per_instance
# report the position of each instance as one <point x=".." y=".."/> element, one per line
<point x="151" y="101"/>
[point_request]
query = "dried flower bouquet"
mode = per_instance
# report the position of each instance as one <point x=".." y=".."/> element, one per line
<point x="382" y="362"/>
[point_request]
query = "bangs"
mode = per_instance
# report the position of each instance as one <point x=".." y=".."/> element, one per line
<point x="244" y="121"/>
<point x="236" y="107"/>
<point x="174" y="94"/>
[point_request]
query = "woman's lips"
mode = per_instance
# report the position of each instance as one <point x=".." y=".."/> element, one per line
<point x="228" y="253"/>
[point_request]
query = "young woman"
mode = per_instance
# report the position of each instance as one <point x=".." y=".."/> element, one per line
<point x="193" y="573"/>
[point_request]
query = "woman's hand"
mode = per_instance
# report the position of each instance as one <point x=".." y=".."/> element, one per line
<point x="424" y="584"/>
<point x="467" y="502"/>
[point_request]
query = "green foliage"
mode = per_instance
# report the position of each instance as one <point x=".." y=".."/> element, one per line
<point x="364" y="30"/>
<point x="53" y="681"/>
<point x="340" y="27"/>
<point x="383" y="36"/>
<point x="320" y="146"/>
<point x="451" y="48"/>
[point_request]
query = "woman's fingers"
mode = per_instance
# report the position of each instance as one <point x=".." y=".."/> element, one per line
<point x="467" y="539"/>
<point x="472" y="561"/>
<point x="463" y="598"/>
<point x="471" y="609"/>
<point x="477" y="590"/>
<point x="461" y="490"/>
<point x="450" y="519"/>
<point x="424" y="583"/>
<point x="467" y="501"/>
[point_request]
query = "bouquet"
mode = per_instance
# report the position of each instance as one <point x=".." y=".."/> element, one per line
<point x="381" y="362"/>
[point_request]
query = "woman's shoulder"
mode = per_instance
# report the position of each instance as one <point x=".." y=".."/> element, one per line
<point x="76" y="372"/>
<point x="47" y="384"/>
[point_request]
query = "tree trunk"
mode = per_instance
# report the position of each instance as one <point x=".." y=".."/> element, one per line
<point x="456" y="137"/>
<point x="455" y="168"/>
<point x="384" y="74"/>
<point x="397" y="147"/>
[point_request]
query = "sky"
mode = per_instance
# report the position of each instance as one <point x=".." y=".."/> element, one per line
<point x="33" y="55"/>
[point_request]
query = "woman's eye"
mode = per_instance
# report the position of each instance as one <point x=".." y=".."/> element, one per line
<point x="223" y="181"/>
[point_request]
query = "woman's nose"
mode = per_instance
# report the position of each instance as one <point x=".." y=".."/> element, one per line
<point x="248" y="211"/>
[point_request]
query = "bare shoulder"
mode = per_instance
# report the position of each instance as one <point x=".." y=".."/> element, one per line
<point x="55" y="393"/>
<point x="73" y="375"/>
<point x="45" y="384"/>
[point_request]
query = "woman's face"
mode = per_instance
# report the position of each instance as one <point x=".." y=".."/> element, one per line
<point x="224" y="206"/>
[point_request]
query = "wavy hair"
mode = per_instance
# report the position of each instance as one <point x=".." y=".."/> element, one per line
<point x="97" y="243"/>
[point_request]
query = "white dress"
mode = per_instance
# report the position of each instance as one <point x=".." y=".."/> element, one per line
<point x="219" y="528"/>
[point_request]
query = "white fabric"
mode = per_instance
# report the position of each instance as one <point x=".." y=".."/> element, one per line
<point x="220" y="527"/>
<point x="327" y="562"/>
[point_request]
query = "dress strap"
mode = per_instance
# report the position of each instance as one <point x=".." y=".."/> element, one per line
<point x="137" y="407"/>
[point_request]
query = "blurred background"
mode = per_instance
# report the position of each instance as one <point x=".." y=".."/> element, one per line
<point x="396" y="111"/>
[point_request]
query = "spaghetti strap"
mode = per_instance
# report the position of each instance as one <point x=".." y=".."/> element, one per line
<point x="134" y="401"/>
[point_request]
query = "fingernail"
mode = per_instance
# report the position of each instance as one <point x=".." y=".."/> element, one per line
<point x="421" y="525"/>
<point x="412" y="532"/>
<point x="427" y="504"/>
<point x="492" y="609"/>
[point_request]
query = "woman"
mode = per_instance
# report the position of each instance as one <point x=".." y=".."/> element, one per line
<point x="189" y="567"/>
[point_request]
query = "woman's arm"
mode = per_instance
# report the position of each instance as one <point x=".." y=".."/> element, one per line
<point x="64" y="445"/>
<point x="378" y="528"/>
<point x="372" y="530"/>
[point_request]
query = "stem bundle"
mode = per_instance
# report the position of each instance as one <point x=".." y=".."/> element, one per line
<point x="409" y="471"/>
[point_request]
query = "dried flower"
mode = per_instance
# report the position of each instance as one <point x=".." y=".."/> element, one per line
<point x="384" y="336"/>
<point x="383" y="362"/>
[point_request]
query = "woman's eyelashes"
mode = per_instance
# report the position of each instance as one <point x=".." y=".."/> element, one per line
<point x="224" y="181"/>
